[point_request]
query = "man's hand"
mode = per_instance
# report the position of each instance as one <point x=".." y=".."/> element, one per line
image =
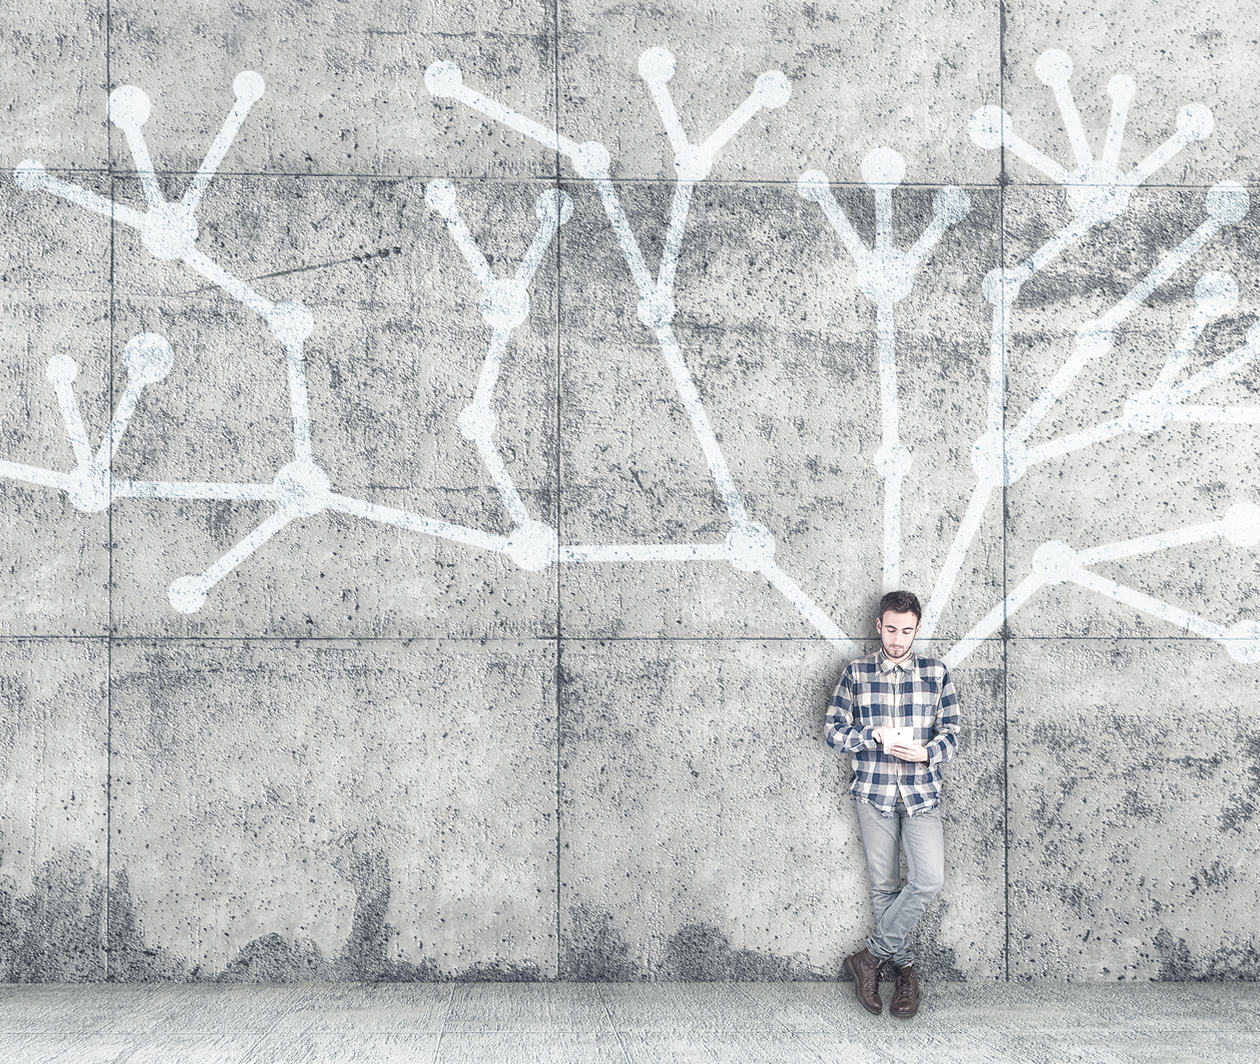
<point x="909" y="751"/>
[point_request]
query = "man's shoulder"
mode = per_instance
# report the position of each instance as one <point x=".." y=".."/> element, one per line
<point x="934" y="666"/>
<point x="865" y="664"/>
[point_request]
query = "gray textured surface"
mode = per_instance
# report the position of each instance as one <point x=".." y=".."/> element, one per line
<point x="380" y="754"/>
<point x="776" y="1023"/>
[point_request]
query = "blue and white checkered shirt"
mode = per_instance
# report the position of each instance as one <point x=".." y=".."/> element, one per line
<point x="917" y="692"/>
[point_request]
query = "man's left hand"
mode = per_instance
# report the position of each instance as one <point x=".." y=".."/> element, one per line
<point x="909" y="751"/>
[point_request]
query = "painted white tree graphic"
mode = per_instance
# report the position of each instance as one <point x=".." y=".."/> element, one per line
<point x="1097" y="190"/>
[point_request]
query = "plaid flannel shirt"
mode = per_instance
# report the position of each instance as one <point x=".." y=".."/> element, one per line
<point x="917" y="692"/>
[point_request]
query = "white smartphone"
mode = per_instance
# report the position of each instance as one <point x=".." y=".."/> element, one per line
<point x="897" y="735"/>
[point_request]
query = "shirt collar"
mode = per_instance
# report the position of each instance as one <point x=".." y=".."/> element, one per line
<point x="885" y="665"/>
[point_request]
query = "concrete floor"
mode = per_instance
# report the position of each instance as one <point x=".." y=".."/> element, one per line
<point x="642" y="1022"/>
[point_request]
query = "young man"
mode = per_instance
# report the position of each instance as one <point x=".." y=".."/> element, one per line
<point x="896" y="794"/>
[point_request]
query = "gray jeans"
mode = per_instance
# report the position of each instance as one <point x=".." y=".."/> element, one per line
<point x="897" y="909"/>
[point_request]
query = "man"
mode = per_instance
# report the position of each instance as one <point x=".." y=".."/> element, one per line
<point x="896" y="794"/>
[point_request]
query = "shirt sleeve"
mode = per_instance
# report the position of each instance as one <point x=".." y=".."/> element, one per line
<point x="840" y="730"/>
<point x="944" y="742"/>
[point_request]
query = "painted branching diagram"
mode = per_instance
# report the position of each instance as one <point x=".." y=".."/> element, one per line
<point x="1097" y="190"/>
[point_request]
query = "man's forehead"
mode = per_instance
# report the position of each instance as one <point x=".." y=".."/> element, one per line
<point x="899" y="620"/>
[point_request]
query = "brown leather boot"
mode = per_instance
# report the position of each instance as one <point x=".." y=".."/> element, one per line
<point x="905" y="1002"/>
<point x="864" y="966"/>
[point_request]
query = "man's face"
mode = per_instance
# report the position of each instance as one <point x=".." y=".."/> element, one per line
<point x="897" y="632"/>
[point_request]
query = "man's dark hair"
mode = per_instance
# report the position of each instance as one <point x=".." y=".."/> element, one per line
<point x="901" y="602"/>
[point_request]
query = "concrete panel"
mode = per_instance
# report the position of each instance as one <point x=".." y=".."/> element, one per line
<point x="333" y="810"/>
<point x="1134" y="829"/>
<point x="385" y="398"/>
<point x="344" y="86"/>
<point x="1175" y="54"/>
<point x="52" y="809"/>
<point x="1181" y="474"/>
<point x="708" y="831"/>
<point x="915" y="98"/>
<point x="767" y="294"/>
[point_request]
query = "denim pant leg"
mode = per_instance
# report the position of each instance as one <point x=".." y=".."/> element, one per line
<point x="897" y="909"/>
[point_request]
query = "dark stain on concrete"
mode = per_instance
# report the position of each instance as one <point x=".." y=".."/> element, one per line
<point x="1241" y="809"/>
<point x="274" y="958"/>
<point x="1238" y="960"/>
<point x="703" y="953"/>
<point x="130" y="960"/>
<point x="55" y="934"/>
<point x="592" y="949"/>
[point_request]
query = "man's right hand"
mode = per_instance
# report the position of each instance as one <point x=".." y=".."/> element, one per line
<point x="878" y="733"/>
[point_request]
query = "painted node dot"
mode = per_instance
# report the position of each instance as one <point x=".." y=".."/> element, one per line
<point x="812" y="184"/>
<point x="148" y="357"/>
<point x="951" y="205"/>
<point x="883" y="166"/>
<point x="888" y="279"/>
<point x="693" y="164"/>
<point x="1144" y="413"/>
<point x="1097" y="192"/>
<point x="443" y="78"/>
<point x="128" y="106"/>
<point x="1242" y="524"/>
<point x="29" y="174"/>
<point x="440" y="196"/>
<point x="773" y="89"/>
<point x="504" y="304"/>
<point x="1216" y="293"/>
<point x="1055" y="560"/>
<point x="533" y="545"/>
<point x="187" y="594"/>
<point x="1195" y="121"/>
<point x="656" y="310"/>
<point x="554" y="204"/>
<point x="91" y="488"/>
<point x="996" y="463"/>
<point x="1243" y="642"/>
<point x="303" y="486"/>
<point x="988" y="127"/>
<point x="1000" y="287"/>
<point x="1093" y="340"/>
<point x="477" y="422"/>
<point x="1227" y="202"/>
<point x="751" y="546"/>
<point x="1054" y="67"/>
<point x="291" y="323"/>
<point x="656" y="64"/>
<point x="1122" y="88"/>
<point x="893" y="461"/>
<point x="248" y="85"/>
<point x="170" y="231"/>
<point x="62" y="368"/>
<point x="592" y="160"/>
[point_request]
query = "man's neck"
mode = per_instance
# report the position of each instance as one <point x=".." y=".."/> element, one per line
<point x="895" y="661"/>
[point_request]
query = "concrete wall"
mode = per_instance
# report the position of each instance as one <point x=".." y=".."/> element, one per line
<point x="489" y="516"/>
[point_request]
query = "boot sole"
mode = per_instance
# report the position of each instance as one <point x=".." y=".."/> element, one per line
<point x="904" y="1015"/>
<point x="857" y="986"/>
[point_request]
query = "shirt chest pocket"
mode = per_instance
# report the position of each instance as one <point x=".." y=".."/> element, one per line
<point x="921" y="707"/>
